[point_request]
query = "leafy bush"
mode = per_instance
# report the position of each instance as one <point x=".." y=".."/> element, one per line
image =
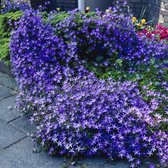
<point x="7" y="24"/>
<point x="55" y="62"/>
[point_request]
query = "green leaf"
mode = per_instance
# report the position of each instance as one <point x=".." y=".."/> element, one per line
<point x="99" y="58"/>
<point x="119" y="62"/>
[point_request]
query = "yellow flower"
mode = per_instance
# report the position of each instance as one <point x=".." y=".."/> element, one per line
<point x="139" y="25"/>
<point x="88" y="8"/>
<point x="58" y="9"/>
<point x="134" y="19"/>
<point x="143" y="21"/>
<point x="108" y="11"/>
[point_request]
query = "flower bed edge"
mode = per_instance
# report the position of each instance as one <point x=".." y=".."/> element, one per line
<point x="5" y="68"/>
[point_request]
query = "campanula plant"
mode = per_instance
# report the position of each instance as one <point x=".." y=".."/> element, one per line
<point x="78" y="112"/>
<point x="110" y="46"/>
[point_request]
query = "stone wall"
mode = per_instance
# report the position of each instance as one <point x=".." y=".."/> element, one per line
<point x="163" y="17"/>
<point x="137" y="6"/>
<point x="101" y="4"/>
<point x="154" y="10"/>
<point x="148" y="9"/>
<point x="63" y="4"/>
<point x="67" y="4"/>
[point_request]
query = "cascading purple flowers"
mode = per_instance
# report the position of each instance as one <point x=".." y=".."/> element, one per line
<point x="77" y="113"/>
<point x="97" y="117"/>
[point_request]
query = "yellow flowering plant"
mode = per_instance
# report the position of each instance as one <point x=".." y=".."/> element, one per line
<point x="139" y="24"/>
<point x="143" y="21"/>
<point x="134" y="19"/>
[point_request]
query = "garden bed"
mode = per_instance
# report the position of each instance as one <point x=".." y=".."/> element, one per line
<point x="93" y="84"/>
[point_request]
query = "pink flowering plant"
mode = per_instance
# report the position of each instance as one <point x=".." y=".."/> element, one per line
<point x="92" y="85"/>
<point x="148" y="29"/>
<point x="159" y="33"/>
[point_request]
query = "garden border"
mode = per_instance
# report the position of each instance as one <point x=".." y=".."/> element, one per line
<point x="5" y="68"/>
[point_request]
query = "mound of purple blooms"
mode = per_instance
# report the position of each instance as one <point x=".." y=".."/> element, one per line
<point x="9" y="5"/>
<point x="107" y="36"/>
<point x="76" y="113"/>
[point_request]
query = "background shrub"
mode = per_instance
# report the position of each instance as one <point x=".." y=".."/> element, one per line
<point x="7" y="24"/>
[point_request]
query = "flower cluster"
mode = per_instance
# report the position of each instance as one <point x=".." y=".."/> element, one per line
<point x="39" y="58"/>
<point x="76" y="112"/>
<point x="106" y="37"/>
<point x="139" y="24"/>
<point x="9" y="5"/>
<point x="160" y="32"/>
<point x="97" y="117"/>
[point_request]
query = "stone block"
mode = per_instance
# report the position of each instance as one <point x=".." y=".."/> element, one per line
<point x="5" y="92"/>
<point x="164" y="1"/>
<point x="166" y="6"/>
<point x="9" y="135"/>
<point x="8" y="81"/>
<point x="164" y="12"/>
<point x="24" y="124"/>
<point x="166" y="19"/>
<point x="21" y="155"/>
<point x="7" y="114"/>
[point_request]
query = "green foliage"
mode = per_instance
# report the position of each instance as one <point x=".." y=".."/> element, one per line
<point x="4" y="50"/>
<point x="151" y="77"/>
<point x="7" y="24"/>
<point x="153" y="74"/>
<point x="58" y="17"/>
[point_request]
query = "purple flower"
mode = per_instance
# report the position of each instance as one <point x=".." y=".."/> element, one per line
<point x="75" y="111"/>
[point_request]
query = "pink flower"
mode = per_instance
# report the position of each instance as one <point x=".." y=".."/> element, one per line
<point x="160" y="31"/>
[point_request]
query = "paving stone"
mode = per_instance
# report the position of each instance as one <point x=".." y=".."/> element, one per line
<point x="8" y="81"/>
<point x="21" y="155"/>
<point x="125" y="164"/>
<point x="7" y="114"/>
<point x="24" y="124"/>
<point x="9" y="135"/>
<point x="5" y="92"/>
<point x="117" y="164"/>
<point x="93" y="162"/>
<point x="1" y="86"/>
<point x="97" y="162"/>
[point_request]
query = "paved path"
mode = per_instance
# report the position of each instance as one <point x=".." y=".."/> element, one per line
<point x="16" y="146"/>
